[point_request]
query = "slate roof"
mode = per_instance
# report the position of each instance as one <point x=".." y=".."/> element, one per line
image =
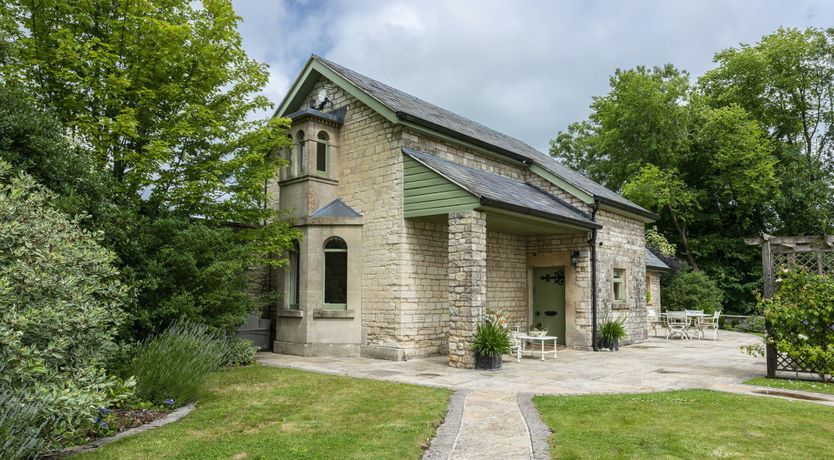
<point x="407" y="105"/>
<point x="336" y="208"/>
<point x="652" y="261"/>
<point x="503" y="192"/>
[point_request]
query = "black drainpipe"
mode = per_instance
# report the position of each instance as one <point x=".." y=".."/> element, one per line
<point x="593" y="243"/>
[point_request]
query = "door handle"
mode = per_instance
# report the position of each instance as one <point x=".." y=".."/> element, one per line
<point x="551" y="313"/>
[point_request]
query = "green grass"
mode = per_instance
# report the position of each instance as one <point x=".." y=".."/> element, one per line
<point x="788" y="384"/>
<point x="260" y="412"/>
<point x="686" y="424"/>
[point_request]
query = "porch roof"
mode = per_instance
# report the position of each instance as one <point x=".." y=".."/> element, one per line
<point x="436" y="186"/>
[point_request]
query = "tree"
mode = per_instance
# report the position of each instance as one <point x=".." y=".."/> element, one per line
<point x="643" y="119"/>
<point x="664" y="191"/>
<point x="160" y="92"/>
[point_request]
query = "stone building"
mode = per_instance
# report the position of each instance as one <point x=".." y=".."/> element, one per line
<point x="417" y="221"/>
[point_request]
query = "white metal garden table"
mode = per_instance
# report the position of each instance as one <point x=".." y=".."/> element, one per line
<point x="522" y="340"/>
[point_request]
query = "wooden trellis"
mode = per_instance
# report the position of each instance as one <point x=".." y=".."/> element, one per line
<point x="813" y="253"/>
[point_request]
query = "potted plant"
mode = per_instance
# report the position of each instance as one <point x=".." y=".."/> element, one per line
<point x="491" y="341"/>
<point x="611" y="332"/>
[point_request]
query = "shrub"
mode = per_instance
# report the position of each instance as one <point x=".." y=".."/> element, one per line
<point x="174" y="365"/>
<point x="753" y="323"/>
<point x="60" y="306"/>
<point x="801" y="316"/>
<point x="241" y="352"/>
<point x="491" y="339"/>
<point x="692" y="291"/>
<point x="611" y="331"/>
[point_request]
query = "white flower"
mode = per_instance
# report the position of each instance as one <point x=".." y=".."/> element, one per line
<point x="802" y="336"/>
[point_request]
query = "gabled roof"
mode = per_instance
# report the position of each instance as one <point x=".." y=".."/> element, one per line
<point x="652" y="261"/>
<point x="406" y="107"/>
<point x="503" y="192"/>
<point x="336" y="208"/>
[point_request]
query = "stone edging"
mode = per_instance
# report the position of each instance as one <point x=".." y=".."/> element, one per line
<point x="170" y="418"/>
<point x="444" y="441"/>
<point x="539" y="432"/>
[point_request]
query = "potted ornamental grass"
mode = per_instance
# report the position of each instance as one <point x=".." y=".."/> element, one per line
<point x="611" y="332"/>
<point x="491" y="341"/>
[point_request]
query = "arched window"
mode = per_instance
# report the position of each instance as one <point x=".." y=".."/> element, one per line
<point x="295" y="270"/>
<point x="322" y="147"/>
<point x="335" y="273"/>
<point x="302" y="154"/>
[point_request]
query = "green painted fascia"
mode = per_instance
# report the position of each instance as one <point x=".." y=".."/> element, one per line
<point x="580" y="194"/>
<point x="521" y="217"/>
<point x="304" y="81"/>
<point x="457" y="141"/>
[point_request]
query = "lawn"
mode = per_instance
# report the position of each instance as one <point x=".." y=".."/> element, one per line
<point x="686" y="424"/>
<point x="261" y="412"/>
<point x="788" y="384"/>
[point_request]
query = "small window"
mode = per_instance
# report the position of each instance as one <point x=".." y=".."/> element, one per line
<point x="648" y="288"/>
<point x="619" y="284"/>
<point x="322" y="147"/>
<point x="335" y="273"/>
<point x="295" y="269"/>
<point x="302" y="154"/>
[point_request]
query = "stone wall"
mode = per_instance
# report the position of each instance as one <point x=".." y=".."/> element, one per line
<point x="507" y="276"/>
<point x="622" y="245"/>
<point x="467" y="283"/>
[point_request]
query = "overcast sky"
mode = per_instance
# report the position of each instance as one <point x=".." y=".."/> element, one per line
<point x="526" y="68"/>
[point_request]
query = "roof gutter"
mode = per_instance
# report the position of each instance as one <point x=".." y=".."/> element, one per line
<point x="452" y="133"/>
<point x="614" y="204"/>
<point x="522" y="210"/>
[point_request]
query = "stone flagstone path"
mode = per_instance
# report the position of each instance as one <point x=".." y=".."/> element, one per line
<point x="488" y="418"/>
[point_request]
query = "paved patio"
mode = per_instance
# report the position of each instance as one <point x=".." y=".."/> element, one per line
<point x="655" y="365"/>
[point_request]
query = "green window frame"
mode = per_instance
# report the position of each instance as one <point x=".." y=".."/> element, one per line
<point x="302" y="154"/>
<point x="294" y="276"/>
<point x="335" y="274"/>
<point x="323" y="154"/>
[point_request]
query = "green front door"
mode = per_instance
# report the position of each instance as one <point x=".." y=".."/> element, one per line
<point x="549" y="301"/>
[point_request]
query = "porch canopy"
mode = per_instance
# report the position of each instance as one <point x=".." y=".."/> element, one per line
<point x="435" y="187"/>
<point x="475" y="201"/>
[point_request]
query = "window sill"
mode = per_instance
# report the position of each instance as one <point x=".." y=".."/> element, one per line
<point x="334" y="314"/>
<point x="290" y="313"/>
<point x="619" y="305"/>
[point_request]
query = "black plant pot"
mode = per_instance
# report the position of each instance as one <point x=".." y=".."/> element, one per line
<point x="613" y="345"/>
<point x="488" y="362"/>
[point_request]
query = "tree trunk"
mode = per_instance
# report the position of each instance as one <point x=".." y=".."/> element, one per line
<point x="684" y="241"/>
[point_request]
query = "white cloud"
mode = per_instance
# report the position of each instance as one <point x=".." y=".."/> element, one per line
<point x="526" y="68"/>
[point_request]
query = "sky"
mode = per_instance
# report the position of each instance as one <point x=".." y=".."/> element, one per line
<point x="525" y="68"/>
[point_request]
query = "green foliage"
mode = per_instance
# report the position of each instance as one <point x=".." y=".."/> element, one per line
<point x="22" y="429"/>
<point x="491" y="339"/>
<point x="612" y="330"/>
<point x="658" y="242"/>
<point x="60" y="307"/>
<point x="175" y="364"/>
<point x="160" y="91"/>
<point x="801" y="317"/>
<point x="241" y="352"/>
<point x="692" y="291"/>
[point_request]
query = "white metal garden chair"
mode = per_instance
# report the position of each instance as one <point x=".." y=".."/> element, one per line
<point x="515" y="346"/>
<point x="677" y="323"/>
<point x="709" y="323"/>
<point x="656" y="320"/>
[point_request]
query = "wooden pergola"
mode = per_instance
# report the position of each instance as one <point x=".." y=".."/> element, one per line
<point x="812" y="253"/>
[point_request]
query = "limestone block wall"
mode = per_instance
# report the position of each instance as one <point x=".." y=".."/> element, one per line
<point x="467" y="283"/>
<point x="507" y="276"/>
<point x="622" y="245"/>
<point x="425" y="292"/>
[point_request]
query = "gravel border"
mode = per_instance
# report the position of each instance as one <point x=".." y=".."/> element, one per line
<point x="95" y="444"/>
<point x="447" y="433"/>
<point x="539" y="432"/>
